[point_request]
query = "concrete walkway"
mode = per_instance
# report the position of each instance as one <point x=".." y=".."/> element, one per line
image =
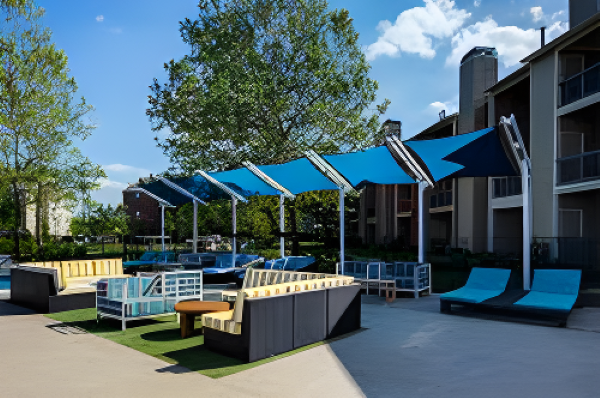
<point x="406" y="349"/>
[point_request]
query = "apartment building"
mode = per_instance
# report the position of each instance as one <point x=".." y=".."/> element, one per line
<point x="555" y="97"/>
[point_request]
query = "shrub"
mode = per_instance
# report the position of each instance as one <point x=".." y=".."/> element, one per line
<point x="7" y="246"/>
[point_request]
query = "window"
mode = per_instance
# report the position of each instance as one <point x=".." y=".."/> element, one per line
<point x="137" y="195"/>
<point x="137" y="214"/>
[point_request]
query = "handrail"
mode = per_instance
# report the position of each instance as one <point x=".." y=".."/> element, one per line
<point x="580" y="73"/>
<point x="579" y="155"/>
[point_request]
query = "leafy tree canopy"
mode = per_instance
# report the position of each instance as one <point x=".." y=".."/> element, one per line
<point x="265" y="80"/>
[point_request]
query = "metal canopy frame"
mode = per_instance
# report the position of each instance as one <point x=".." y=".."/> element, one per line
<point x="195" y="201"/>
<point x="517" y="148"/>
<point x="162" y="204"/>
<point x="234" y="198"/>
<point x="398" y="149"/>
<point x="343" y="186"/>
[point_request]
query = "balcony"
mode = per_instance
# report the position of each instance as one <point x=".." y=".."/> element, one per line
<point x="578" y="168"/>
<point x="404" y="206"/>
<point x="506" y="186"/>
<point x="580" y="85"/>
<point x="440" y="199"/>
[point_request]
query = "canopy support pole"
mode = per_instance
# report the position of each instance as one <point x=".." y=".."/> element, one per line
<point x="281" y="225"/>
<point x="162" y="227"/>
<point x="422" y="186"/>
<point x="526" y="188"/>
<point x="342" y="229"/>
<point x="195" y="232"/>
<point x="234" y="229"/>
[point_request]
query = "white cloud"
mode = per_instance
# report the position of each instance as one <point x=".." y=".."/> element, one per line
<point x="512" y="42"/>
<point x="110" y="192"/>
<point x="116" y="31"/>
<point x="119" y="175"/>
<point x="100" y="18"/>
<point x="477" y="3"/>
<point x="436" y="107"/>
<point x="536" y="13"/>
<point x="123" y="168"/>
<point x="415" y="28"/>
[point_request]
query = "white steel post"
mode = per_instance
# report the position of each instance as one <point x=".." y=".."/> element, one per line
<point x="234" y="229"/>
<point x="526" y="224"/>
<point x="281" y="225"/>
<point x="422" y="186"/>
<point x="342" y="229"/>
<point x="195" y="234"/>
<point x="162" y="227"/>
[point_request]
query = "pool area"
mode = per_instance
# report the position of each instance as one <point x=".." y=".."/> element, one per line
<point x="4" y="282"/>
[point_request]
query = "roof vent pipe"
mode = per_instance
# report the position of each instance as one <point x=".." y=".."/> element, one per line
<point x="543" y="34"/>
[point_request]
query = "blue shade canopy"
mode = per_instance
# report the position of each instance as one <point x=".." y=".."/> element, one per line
<point x="435" y="153"/>
<point x="298" y="176"/>
<point x="375" y="166"/>
<point x="195" y="185"/>
<point x="244" y="182"/>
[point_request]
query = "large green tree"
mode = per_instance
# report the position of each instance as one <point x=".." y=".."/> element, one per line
<point x="39" y="115"/>
<point x="264" y="81"/>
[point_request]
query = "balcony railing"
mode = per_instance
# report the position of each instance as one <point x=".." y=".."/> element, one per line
<point x="580" y="85"/>
<point x="579" y="168"/>
<point x="440" y="199"/>
<point x="506" y="186"/>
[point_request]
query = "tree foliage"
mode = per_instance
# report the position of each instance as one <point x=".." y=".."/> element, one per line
<point x="101" y="221"/>
<point x="265" y="80"/>
<point x="39" y="115"/>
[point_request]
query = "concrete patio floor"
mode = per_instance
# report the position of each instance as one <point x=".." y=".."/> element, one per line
<point x="405" y="349"/>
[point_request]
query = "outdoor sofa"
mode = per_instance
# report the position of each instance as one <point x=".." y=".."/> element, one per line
<point x="278" y="311"/>
<point x="55" y="286"/>
<point x="551" y="298"/>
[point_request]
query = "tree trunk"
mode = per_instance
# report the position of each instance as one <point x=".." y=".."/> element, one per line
<point x="17" y="220"/>
<point x="38" y="216"/>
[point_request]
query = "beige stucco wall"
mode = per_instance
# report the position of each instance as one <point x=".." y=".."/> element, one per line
<point x="543" y="121"/>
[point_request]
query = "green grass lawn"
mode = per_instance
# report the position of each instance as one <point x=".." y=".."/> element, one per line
<point x="160" y="338"/>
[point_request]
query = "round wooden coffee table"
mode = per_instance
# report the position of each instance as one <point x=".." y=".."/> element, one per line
<point x="190" y="309"/>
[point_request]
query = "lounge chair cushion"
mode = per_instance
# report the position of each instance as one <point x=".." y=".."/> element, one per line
<point x="553" y="289"/>
<point x="483" y="284"/>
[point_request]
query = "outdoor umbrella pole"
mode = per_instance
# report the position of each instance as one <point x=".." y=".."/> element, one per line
<point x="342" y="229"/>
<point x="195" y="232"/>
<point x="281" y="225"/>
<point x="234" y="229"/>
<point x="162" y="227"/>
<point x="526" y="188"/>
<point x="422" y="186"/>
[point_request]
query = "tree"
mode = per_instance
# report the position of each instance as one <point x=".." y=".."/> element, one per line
<point x="102" y="221"/>
<point x="39" y="116"/>
<point x="265" y="80"/>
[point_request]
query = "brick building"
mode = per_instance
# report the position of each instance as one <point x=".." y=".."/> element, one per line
<point x="144" y="210"/>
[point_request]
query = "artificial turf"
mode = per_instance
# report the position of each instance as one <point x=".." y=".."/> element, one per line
<point x="160" y="337"/>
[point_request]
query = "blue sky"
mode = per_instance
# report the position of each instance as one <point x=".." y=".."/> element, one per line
<point x="117" y="47"/>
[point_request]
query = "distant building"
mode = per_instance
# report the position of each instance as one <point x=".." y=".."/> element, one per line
<point x="144" y="212"/>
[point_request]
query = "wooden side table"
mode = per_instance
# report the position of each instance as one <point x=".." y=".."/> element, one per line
<point x="188" y="311"/>
<point x="390" y="290"/>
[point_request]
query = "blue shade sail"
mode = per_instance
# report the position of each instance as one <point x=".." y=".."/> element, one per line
<point x="374" y="166"/>
<point x="166" y="193"/>
<point x="298" y="176"/>
<point x="244" y="182"/>
<point x="434" y="152"/>
<point x="483" y="157"/>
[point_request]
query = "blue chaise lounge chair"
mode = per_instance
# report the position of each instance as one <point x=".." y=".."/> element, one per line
<point x="553" y="294"/>
<point x="483" y="284"/>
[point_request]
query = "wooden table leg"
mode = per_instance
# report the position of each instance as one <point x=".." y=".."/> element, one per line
<point x="187" y="325"/>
